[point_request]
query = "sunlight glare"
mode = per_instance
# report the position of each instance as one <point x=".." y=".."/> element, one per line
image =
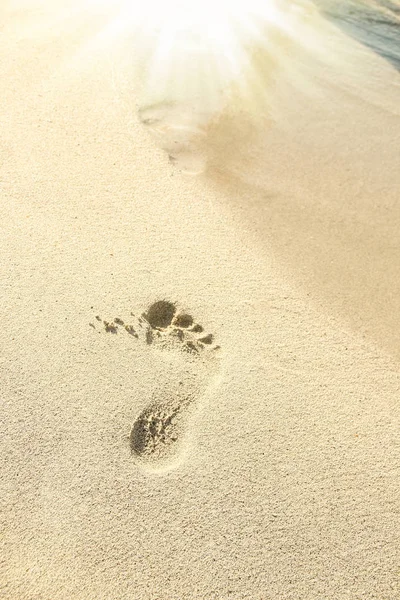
<point x="199" y="45"/>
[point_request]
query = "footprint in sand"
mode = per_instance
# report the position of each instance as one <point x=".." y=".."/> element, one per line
<point x="179" y="132"/>
<point x="160" y="432"/>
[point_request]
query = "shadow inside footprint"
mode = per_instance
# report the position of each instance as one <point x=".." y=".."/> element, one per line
<point x="160" y="314"/>
<point x="183" y="321"/>
<point x="154" y="431"/>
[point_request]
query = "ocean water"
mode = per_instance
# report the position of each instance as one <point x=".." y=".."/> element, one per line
<point x="374" y="23"/>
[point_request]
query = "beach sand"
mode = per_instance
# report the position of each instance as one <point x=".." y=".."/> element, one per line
<point x="200" y="373"/>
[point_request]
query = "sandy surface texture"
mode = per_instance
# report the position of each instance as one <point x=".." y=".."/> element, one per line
<point x="200" y="300"/>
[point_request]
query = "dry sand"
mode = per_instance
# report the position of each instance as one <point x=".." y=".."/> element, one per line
<point x="141" y="463"/>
